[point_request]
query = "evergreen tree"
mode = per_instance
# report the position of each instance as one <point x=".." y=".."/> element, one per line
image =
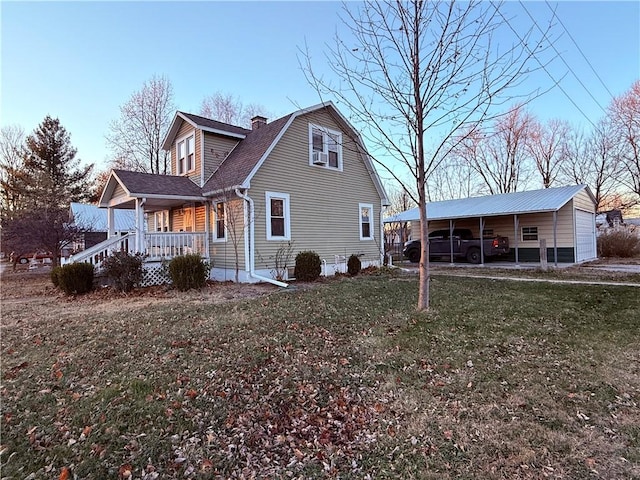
<point x="56" y="177"/>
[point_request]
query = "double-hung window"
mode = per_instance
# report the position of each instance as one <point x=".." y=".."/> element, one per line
<point x="529" y="233"/>
<point x="325" y="147"/>
<point x="220" y="233"/>
<point x="366" y="221"/>
<point x="278" y="218"/>
<point x="185" y="152"/>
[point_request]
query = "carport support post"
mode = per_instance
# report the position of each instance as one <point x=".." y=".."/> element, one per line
<point x="555" y="239"/>
<point x="481" y="241"/>
<point x="451" y="241"/>
<point x="515" y="235"/>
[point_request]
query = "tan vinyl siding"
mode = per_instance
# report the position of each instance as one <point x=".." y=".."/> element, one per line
<point x="324" y="203"/>
<point x="176" y="220"/>
<point x="118" y="191"/>
<point x="583" y="201"/>
<point x="223" y="251"/>
<point x="200" y="218"/>
<point x="216" y="149"/>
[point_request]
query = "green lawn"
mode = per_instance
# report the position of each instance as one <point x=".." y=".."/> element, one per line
<point x="500" y="380"/>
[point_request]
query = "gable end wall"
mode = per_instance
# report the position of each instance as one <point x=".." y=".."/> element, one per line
<point x="324" y="203"/>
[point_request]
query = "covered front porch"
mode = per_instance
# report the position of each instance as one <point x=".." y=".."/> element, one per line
<point x="172" y="217"/>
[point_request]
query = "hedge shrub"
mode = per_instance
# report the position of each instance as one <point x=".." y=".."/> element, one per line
<point x="619" y="242"/>
<point x="354" y="265"/>
<point x="308" y="266"/>
<point x="189" y="271"/>
<point x="76" y="278"/>
<point x="55" y="271"/>
<point x="124" y="270"/>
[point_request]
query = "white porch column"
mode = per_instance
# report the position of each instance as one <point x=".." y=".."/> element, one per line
<point x="207" y="226"/>
<point x="111" y="223"/>
<point x="139" y="243"/>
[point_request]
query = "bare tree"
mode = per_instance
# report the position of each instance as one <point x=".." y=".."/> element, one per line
<point x="498" y="157"/>
<point x="593" y="160"/>
<point x="546" y="146"/>
<point x="453" y="179"/>
<point x="625" y="119"/>
<point x="136" y="137"/>
<point x="422" y="70"/>
<point x="228" y="109"/>
<point x="13" y="179"/>
<point x="46" y="228"/>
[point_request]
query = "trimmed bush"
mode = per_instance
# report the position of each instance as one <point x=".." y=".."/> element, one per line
<point x="76" y="278"/>
<point x="354" y="265"/>
<point x="55" y="271"/>
<point x="308" y="266"/>
<point x="123" y="270"/>
<point x="619" y="242"/>
<point x="188" y="271"/>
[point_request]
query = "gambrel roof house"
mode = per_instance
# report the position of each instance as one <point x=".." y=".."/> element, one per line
<point x="564" y="217"/>
<point x="243" y="197"/>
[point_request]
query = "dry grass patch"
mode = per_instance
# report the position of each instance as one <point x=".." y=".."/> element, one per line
<point x="343" y="380"/>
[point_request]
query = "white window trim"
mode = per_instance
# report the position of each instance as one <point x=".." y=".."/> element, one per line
<point x="161" y="219"/>
<point x="325" y="130"/>
<point x="186" y="154"/>
<point x="371" y="228"/>
<point x="287" y="216"/>
<point x="522" y="234"/>
<point x="215" y="222"/>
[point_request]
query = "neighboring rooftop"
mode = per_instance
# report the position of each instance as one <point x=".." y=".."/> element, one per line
<point x="543" y="200"/>
<point x="90" y="216"/>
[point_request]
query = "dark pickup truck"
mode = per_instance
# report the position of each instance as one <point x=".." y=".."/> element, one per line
<point x="464" y="246"/>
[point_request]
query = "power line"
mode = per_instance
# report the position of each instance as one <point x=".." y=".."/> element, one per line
<point x="561" y="57"/>
<point x="556" y="82"/>
<point x="555" y="15"/>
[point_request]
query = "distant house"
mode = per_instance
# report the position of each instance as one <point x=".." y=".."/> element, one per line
<point x="241" y="198"/>
<point x="94" y="220"/>
<point x="564" y="217"/>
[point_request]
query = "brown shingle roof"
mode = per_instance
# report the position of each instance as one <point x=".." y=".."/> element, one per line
<point x="139" y="183"/>
<point x="235" y="169"/>
<point x="214" y="124"/>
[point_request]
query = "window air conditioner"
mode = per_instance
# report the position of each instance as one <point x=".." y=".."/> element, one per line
<point x="320" y="158"/>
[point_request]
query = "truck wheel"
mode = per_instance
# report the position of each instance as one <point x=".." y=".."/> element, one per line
<point x="473" y="255"/>
<point x="24" y="261"/>
<point x="414" y="256"/>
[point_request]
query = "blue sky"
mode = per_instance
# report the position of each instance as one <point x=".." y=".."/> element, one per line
<point x="79" y="61"/>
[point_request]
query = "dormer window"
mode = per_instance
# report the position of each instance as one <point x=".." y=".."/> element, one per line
<point x="325" y="147"/>
<point x="185" y="150"/>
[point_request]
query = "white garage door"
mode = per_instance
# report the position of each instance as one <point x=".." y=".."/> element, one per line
<point x="585" y="236"/>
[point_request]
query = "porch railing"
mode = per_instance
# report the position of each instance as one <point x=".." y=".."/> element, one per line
<point x="96" y="253"/>
<point x="171" y="244"/>
<point x="157" y="245"/>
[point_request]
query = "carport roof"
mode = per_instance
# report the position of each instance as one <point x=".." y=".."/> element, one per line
<point x="545" y="200"/>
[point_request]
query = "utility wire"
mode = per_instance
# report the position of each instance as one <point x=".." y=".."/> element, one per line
<point x="561" y="57"/>
<point x="556" y="82"/>
<point x="579" y="49"/>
